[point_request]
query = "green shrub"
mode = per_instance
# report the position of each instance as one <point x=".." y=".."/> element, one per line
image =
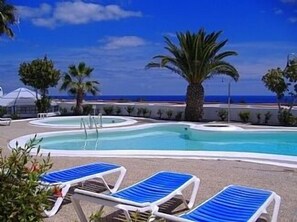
<point x="108" y="110"/>
<point x="87" y="109"/>
<point x="267" y="117"/>
<point x="43" y="104"/>
<point x="2" y="111"/>
<point x="244" y="116"/>
<point x="178" y="116"/>
<point x="222" y="114"/>
<point x="145" y="111"/>
<point x="258" y="118"/>
<point x="129" y="109"/>
<point x="160" y="113"/>
<point x="139" y="111"/>
<point x="286" y="118"/>
<point x="22" y="197"/>
<point x="15" y="116"/>
<point x="97" y="216"/>
<point x="149" y="113"/>
<point x="63" y="111"/>
<point x="169" y="114"/>
<point x="118" y="110"/>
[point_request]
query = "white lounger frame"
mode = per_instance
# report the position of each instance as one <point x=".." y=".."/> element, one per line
<point x="5" y="121"/>
<point x="262" y="210"/>
<point x="66" y="186"/>
<point x="126" y="205"/>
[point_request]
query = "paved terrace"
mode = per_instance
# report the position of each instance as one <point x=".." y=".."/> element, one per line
<point x="214" y="175"/>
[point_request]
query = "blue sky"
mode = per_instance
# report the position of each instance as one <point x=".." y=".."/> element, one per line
<point x="119" y="37"/>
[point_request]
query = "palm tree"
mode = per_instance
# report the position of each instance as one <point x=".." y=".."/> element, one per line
<point x="196" y="59"/>
<point x="7" y="18"/>
<point x="74" y="82"/>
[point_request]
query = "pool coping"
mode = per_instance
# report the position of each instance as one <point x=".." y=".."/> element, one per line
<point x="273" y="159"/>
<point x="39" y="122"/>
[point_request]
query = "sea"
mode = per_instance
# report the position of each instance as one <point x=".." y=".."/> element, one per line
<point x="175" y="98"/>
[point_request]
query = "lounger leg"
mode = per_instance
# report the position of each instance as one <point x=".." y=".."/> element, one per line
<point x="118" y="182"/>
<point x="194" y="193"/>
<point x="277" y="201"/>
<point x="78" y="210"/>
<point x="127" y="215"/>
<point x="189" y="205"/>
<point x="58" y="202"/>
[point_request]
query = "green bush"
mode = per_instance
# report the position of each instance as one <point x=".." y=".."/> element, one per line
<point x="160" y="113"/>
<point x="178" y="116"/>
<point x="286" y="118"/>
<point x="129" y="109"/>
<point x="22" y="197"/>
<point x="15" y="116"/>
<point x="267" y="117"/>
<point x="118" y="110"/>
<point x="169" y="114"/>
<point x="108" y="110"/>
<point x="139" y="111"/>
<point x="43" y="104"/>
<point x="87" y="109"/>
<point x="244" y="116"/>
<point x="145" y="111"/>
<point x="2" y="111"/>
<point x="258" y="118"/>
<point x="222" y="114"/>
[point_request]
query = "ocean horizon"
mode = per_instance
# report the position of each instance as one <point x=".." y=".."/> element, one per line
<point x="177" y="98"/>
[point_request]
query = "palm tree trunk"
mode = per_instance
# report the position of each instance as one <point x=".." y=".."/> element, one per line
<point x="194" y="102"/>
<point x="79" y="100"/>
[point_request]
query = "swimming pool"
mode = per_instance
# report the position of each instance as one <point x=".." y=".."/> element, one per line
<point x="75" y="121"/>
<point x="172" y="137"/>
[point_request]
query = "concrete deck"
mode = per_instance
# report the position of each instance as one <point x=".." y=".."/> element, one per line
<point x="214" y="175"/>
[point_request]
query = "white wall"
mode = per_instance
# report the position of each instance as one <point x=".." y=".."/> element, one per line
<point x="210" y="110"/>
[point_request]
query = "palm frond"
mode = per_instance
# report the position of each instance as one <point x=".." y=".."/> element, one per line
<point x="197" y="57"/>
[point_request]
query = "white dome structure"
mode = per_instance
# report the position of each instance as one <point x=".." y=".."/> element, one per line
<point x="20" y="102"/>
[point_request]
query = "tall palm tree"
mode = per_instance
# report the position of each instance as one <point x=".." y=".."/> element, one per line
<point x="196" y="59"/>
<point x="74" y="82"/>
<point x="7" y="18"/>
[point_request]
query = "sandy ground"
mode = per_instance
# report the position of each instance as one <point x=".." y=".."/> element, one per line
<point x="214" y="175"/>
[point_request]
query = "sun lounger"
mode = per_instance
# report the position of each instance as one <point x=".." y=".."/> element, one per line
<point x="142" y="196"/>
<point x="65" y="178"/>
<point x="5" y="121"/>
<point x="234" y="203"/>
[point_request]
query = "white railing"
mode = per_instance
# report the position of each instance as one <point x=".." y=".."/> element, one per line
<point x="96" y="127"/>
<point x="100" y="119"/>
<point x="82" y="124"/>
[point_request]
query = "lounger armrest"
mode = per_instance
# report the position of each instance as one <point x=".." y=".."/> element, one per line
<point x="109" y="198"/>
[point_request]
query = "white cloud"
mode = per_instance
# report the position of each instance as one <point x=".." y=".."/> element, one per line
<point x="74" y="12"/>
<point x="278" y="11"/>
<point x="293" y="19"/>
<point x="123" y="42"/>
<point x="28" y="12"/>
<point x="48" y="22"/>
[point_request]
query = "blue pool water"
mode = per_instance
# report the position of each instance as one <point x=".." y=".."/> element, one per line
<point x="73" y="121"/>
<point x="179" y="138"/>
<point x="89" y="121"/>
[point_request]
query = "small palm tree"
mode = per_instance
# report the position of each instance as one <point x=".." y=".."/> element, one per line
<point x="74" y="82"/>
<point x="196" y="59"/>
<point x="7" y="18"/>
